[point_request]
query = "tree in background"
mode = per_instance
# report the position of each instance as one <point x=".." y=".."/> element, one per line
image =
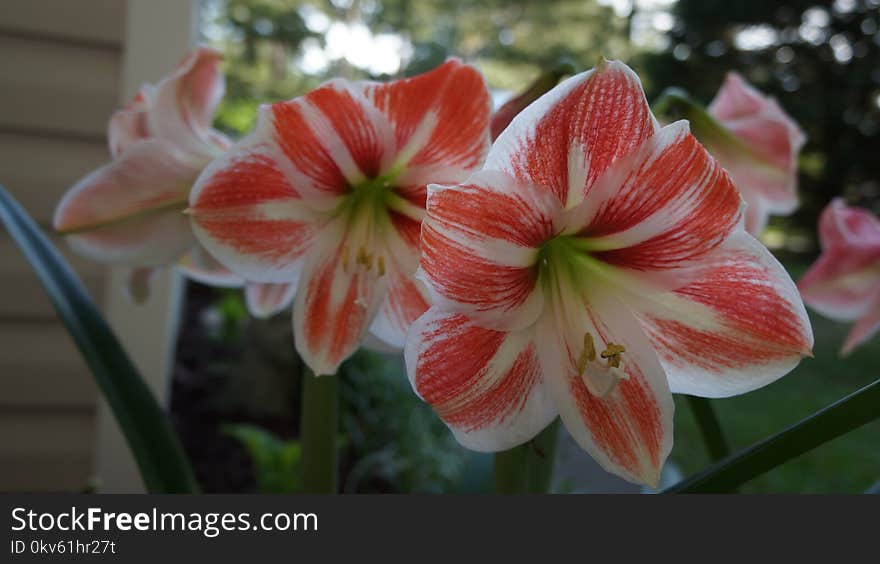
<point x="821" y="60"/>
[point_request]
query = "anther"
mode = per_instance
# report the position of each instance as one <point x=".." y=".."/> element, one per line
<point x="612" y="353"/>
<point x="381" y="265"/>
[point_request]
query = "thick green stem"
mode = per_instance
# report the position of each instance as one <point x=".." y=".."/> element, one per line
<point x="528" y="468"/>
<point x="710" y="428"/>
<point x="511" y="472"/>
<point x="540" y="458"/>
<point x="318" y="430"/>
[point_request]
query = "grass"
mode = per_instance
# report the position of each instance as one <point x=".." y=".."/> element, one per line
<point x="849" y="464"/>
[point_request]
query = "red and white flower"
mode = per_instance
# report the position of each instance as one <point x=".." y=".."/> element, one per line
<point x="596" y="264"/>
<point x="759" y="147"/>
<point x="130" y="211"/>
<point x="329" y="192"/>
<point x="844" y="283"/>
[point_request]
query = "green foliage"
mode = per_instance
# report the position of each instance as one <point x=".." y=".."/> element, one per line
<point x="277" y="463"/>
<point x="160" y="458"/>
<point x="397" y="442"/>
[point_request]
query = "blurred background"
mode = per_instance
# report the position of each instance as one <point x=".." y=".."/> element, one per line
<point x="231" y="382"/>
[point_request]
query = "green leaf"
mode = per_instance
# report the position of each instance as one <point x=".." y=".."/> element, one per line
<point x="857" y="409"/>
<point x="277" y="463"/>
<point x="160" y="458"/>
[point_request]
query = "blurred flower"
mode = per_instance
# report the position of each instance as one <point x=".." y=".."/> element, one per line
<point x="758" y="146"/>
<point x="596" y="264"/>
<point x="844" y="283"/>
<point x="329" y="192"/>
<point x="130" y="211"/>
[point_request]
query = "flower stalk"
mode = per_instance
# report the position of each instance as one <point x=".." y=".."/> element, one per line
<point x="528" y="468"/>
<point x="318" y="429"/>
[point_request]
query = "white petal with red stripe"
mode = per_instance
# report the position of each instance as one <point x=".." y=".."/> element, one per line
<point x="569" y="137"/>
<point x="265" y="300"/>
<point x="480" y="244"/>
<point x="621" y="415"/>
<point x="737" y="327"/>
<point x="336" y="301"/>
<point x="485" y="385"/>
<point x="250" y="217"/>
<point x="662" y="206"/>
<point x="439" y="118"/>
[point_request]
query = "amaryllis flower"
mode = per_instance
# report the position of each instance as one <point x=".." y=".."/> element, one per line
<point x="759" y="146"/>
<point x="130" y="211"/>
<point x="844" y="283"/>
<point x="596" y="264"/>
<point x="329" y="192"/>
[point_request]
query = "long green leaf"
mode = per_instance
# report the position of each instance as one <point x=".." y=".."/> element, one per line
<point x="857" y="409"/>
<point x="710" y="428"/>
<point x="162" y="462"/>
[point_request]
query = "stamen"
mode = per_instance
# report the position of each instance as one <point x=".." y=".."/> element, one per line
<point x="612" y="353"/>
<point x="345" y="259"/>
<point x="588" y="353"/>
<point x="381" y="265"/>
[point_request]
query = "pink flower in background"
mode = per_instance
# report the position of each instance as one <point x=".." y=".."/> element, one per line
<point x="596" y="264"/>
<point x="328" y="193"/>
<point x="844" y="283"/>
<point x="759" y="149"/>
<point x="130" y="211"/>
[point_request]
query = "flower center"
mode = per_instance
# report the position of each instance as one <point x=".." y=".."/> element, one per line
<point x="564" y="267"/>
<point x="365" y="212"/>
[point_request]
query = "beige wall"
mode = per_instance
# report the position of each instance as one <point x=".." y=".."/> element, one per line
<point x="60" y="71"/>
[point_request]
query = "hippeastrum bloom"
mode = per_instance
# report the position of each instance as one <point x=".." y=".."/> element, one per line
<point x="596" y="264"/>
<point x="758" y="144"/>
<point x="328" y="193"/>
<point x="844" y="283"/>
<point x="130" y="211"/>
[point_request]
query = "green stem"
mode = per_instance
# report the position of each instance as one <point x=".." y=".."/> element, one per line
<point x="857" y="409"/>
<point x="527" y="468"/>
<point x="318" y="430"/>
<point x="511" y="472"/>
<point x="540" y="459"/>
<point x="710" y="428"/>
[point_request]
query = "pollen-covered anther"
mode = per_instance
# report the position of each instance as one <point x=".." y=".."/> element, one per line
<point x="588" y="353"/>
<point x="612" y="354"/>
<point x="380" y="265"/>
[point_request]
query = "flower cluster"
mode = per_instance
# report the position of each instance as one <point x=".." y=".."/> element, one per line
<point x="587" y="264"/>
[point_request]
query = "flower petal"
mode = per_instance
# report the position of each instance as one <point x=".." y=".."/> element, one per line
<point x="842" y="283"/>
<point x="129" y="211"/>
<point x="248" y="214"/>
<point x="479" y="247"/>
<point x="406" y="301"/>
<point x="129" y="125"/>
<point x="622" y="416"/>
<point x="265" y="300"/>
<point x="666" y="204"/>
<point x="185" y="101"/>
<point x="485" y="385"/>
<point x="200" y="266"/>
<point x="335" y="304"/>
<point x="568" y="138"/>
<point x="739" y="326"/>
<point x="864" y="329"/>
<point x="440" y="117"/>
